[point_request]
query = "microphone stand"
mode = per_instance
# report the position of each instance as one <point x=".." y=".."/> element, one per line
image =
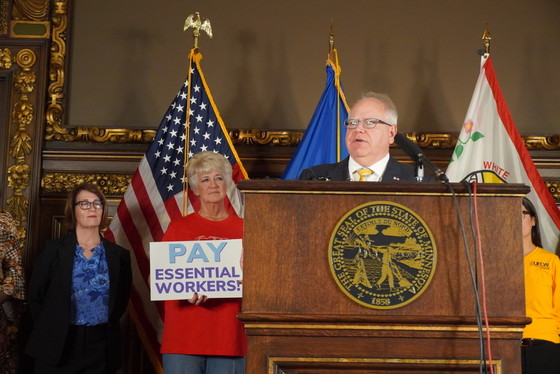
<point x="414" y="152"/>
<point x="419" y="170"/>
<point x="437" y="171"/>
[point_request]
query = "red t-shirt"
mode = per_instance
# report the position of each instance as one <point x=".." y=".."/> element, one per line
<point x="211" y="328"/>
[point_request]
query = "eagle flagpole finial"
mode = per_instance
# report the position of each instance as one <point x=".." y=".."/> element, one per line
<point x="197" y="23"/>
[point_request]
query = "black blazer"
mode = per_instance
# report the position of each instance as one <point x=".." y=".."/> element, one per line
<point x="49" y="298"/>
<point x="395" y="172"/>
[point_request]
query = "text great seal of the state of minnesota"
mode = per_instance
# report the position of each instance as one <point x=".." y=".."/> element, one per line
<point x="382" y="255"/>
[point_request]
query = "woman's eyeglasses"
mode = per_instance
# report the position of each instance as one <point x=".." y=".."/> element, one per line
<point x="84" y="204"/>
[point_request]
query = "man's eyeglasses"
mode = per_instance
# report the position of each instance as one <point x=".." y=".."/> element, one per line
<point x="84" y="204"/>
<point x="368" y="123"/>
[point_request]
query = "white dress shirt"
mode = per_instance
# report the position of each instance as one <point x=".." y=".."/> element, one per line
<point x="378" y="169"/>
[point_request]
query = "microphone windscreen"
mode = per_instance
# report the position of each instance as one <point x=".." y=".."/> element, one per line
<point x="408" y="146"/>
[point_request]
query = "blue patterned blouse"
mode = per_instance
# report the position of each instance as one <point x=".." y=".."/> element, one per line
<point x="90" y="288"/>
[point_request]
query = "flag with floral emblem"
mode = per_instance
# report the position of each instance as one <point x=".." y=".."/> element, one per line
<point x="490" y="150"/>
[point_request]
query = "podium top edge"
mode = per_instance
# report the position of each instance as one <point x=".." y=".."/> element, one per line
<point x="300" y="186"/>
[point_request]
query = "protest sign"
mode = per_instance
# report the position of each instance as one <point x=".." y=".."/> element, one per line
<point x="208" y="267"/>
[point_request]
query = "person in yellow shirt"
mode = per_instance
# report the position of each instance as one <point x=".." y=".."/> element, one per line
<point x="540" y="346"/>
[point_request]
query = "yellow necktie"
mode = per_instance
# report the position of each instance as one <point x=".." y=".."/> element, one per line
<point x="364" y="174"/>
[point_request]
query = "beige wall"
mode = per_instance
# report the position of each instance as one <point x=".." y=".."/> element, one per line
<point x="265" y="64"/>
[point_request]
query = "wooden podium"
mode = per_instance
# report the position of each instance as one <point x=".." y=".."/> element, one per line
<point x="299" y="320"/>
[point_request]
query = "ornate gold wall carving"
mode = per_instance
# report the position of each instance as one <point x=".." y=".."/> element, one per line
<point x="6" y="58"/>
<point x="18" y="181"/>
<point x="259" y="137"/>
<point x="543" y="142"/>
<point x="554" y="188"/>
<point x="30" y="10"/>
<point x="110" y="184"/>
<point x="21" y="119"/>
<point x="57" y="58"/>
<point x="4" y="16"/>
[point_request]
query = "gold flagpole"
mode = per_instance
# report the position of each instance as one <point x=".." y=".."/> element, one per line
<point x="197" y="23"/>
<point x="334" y="59"/>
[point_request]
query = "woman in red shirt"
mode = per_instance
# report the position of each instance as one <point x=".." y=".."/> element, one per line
<point x="202" y="335"/>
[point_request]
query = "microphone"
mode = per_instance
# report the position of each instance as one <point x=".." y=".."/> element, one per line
<point x="415" y="153"/>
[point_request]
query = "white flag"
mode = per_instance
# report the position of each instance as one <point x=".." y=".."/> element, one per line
<point x="490" y="150"/>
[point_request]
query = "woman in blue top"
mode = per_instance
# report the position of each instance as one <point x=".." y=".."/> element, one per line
<point x="79" y="289"/>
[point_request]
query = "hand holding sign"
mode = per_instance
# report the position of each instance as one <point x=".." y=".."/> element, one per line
<point x="198" y="300"/>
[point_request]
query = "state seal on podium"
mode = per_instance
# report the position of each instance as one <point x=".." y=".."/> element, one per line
<point x="382" y="255"/>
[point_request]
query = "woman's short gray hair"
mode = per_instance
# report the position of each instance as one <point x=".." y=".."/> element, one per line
<point x="206" y="162"/>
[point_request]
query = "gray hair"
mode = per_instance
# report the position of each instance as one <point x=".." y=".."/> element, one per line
<point x="205" y="162"/>
<point x="391" y="113"/>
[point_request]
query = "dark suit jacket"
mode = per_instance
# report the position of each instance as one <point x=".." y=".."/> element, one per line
<point x="49" y="298"/>
<point x="395" y="172"/>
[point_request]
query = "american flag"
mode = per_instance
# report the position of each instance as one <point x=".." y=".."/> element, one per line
<point x="156" y="193"/>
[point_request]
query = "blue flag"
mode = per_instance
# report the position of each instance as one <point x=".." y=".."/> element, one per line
<point x="323" y="140"/>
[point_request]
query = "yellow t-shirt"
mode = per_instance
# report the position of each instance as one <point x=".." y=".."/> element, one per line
<point x="542" y="295"/>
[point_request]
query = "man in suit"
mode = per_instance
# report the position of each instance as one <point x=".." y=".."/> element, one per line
<point x="370" y="130"/>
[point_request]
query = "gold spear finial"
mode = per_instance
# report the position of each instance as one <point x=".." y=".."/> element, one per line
<point x="331" y="37"/>
<point x="486" y="37"/>
<point x="197" y="23"/>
